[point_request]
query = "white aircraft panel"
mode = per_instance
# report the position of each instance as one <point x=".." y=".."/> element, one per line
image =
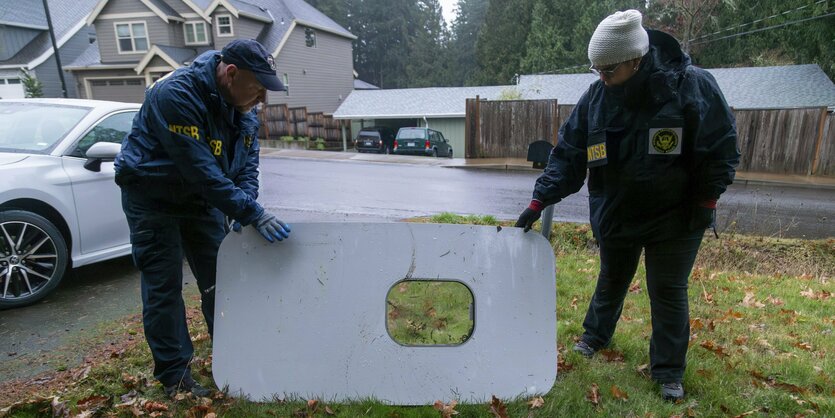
<point x="306" y="317"/>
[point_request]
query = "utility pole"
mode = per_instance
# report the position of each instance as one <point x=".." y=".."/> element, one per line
<point x="55" y="49"/>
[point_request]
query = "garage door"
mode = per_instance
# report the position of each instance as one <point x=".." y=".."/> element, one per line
<point x="11" y="88"/>
<point x="118" y="89"/>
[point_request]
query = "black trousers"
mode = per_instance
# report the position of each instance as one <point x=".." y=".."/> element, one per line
<point x="668" y="265"/>
<point x="160" y="237"/>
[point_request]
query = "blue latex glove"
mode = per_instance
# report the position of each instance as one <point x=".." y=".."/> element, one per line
<point x="271" y="228"/>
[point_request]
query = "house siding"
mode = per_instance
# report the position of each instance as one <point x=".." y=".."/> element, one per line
<point x="159" y="32"/>
<point x="242" y="28"/>
<point x="13" y="39"/>
<point x="47" y="72"/>
<point x="158" y="62"/>
<point x="320" y="78"/>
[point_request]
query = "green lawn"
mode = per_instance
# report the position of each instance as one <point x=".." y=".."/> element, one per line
<point x="762" y="320"/>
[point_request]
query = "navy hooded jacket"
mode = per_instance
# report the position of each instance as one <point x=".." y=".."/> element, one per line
<point x="188" y="148"/>
<point x="653" y="147"/>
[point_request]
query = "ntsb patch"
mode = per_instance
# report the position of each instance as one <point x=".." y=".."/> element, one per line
<point x="665" y="141"/>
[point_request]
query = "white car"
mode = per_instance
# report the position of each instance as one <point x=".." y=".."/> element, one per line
<point x="59" y="205"/>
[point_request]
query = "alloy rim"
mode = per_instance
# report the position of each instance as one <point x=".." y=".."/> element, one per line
<point x="28" y="260"/>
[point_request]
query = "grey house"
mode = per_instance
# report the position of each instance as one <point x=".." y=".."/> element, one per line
<point x="25" y="43"/>
<point x="444" y="108"/>
<point x="139" y="41"/>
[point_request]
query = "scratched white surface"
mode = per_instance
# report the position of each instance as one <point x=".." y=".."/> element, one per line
<point x="306" y="318"/>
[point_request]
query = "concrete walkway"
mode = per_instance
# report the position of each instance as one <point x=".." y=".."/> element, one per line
<point x="517" y="164"/>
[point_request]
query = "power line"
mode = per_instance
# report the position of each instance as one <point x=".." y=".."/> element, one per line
<point x="765" y="28"/>
<point x="758" y="20"/>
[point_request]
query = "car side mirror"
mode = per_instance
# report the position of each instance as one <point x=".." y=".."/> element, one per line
<point x="99" y="152"/>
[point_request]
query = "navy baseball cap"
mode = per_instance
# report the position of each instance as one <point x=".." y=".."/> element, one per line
<point x="248" y="54"/>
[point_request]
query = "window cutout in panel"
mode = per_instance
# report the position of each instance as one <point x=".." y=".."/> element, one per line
<point x="429" y="313"/>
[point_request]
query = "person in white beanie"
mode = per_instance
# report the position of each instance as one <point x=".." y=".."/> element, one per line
<point x="659" y="144"/>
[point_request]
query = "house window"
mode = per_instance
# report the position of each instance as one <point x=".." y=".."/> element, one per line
<point x="131" y="37"/>
<point x="286" y="84"/>
<point x="310" y="37"/>
<point x="224" y="25"/>
<point x="13" y="81"/>
<point x="2" y="81"/>
<point x="196" y="33"/>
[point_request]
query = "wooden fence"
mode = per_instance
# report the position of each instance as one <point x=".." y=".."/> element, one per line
<point x="505" y="128"/>
<point x="278" y="120"/>
<point x="779" y="141"/>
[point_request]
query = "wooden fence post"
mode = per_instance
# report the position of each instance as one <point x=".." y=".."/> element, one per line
<point x="816" y="158"/>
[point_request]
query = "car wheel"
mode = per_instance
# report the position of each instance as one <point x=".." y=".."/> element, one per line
<point x="435" y="152"/>
<point x="450" y="153"/>
<point x="33" y="258"/>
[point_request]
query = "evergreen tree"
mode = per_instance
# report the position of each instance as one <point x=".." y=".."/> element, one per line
<point x="338" y="10"/>
<point x="544" y="48"/>
<point x="31" y="85"/>
<point x="427" y="65"/>
<point x="501" y="43"/>
<point x="465" y="31"/>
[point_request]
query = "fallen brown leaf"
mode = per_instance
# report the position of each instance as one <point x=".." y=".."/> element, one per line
<point x="329" y="411"/>
<point x="573" y="304"/>
<point x="803" y="346"/>
<point x="152" y="406"/>
<point x="92" y="402"/>
<point x="635" y="287"/>
<point x="618" y="393"/>
<point x="536" y="402"/>
<point x="446" y="410"/>
<point x="750" y="302"/>
<point x="612" y="355"/>
<point x="498" y="408"/>
<point x="593" y="395"/>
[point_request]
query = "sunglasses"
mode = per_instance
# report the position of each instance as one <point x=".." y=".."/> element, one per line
<point x="605" y="72"/>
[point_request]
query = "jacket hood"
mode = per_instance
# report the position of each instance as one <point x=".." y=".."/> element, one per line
<point x="666" y="51"/>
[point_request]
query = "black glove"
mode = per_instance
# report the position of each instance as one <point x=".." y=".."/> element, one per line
<point x="530" y="215"/>
<point x="703" y="215"/>
<point x="271" y="228"/>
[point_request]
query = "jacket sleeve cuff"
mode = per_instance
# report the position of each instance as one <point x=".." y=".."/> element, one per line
<point x="708" y="203"/>
<point x="536" y="205"/>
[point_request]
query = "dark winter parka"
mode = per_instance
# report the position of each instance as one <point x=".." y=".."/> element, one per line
<point x="189" y="149"/>
<point x="654" y="148"/>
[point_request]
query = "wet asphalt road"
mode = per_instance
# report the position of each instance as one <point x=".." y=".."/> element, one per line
<point x="44" y="336"/>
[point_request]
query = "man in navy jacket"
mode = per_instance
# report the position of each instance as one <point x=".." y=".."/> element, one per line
<point x="190" y="160"/>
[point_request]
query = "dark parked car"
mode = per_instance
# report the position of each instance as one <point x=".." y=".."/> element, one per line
<point x="379" y="139"/>
<point x="422" y="141"/>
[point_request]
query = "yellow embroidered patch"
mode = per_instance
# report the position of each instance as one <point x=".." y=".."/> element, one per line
<point x="596" y="152"/>
<point x="216" y="146"/>
<point x="191" y="131"/>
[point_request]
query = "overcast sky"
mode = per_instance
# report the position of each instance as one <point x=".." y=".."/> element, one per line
<point x="449" y="9"/>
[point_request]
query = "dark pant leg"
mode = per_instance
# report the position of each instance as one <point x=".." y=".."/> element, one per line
<point x="202" y="236"/>
<point x="157" y="252"/>
<point x="617" y="267"/>
<point x="668" y="268"/>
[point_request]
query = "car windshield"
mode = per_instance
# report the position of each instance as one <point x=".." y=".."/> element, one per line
<point x="369" y="135"/>
<point x="36" y="127"/>
<point x="411" y="134"/>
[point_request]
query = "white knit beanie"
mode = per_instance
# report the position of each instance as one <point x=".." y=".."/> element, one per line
<point x="618" y="38"/>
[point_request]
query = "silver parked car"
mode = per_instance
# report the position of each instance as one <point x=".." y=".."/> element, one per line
<point x="59" y="205"/>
